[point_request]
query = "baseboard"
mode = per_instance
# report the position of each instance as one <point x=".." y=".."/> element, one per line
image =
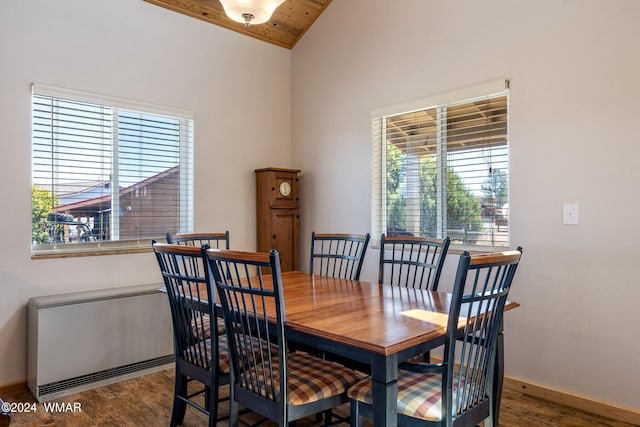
<point x="13" y="388"/>
<point x="597" y="407"/>
<point x="604" y="409"/>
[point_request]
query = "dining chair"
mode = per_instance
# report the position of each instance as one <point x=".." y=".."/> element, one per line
<point x="200" y="354"/>
<point x="460" y="391"/>
<point x="280" y="385"/>
<point x="338" y="255"/>
<point x="214" y="240"/>
<point x="412" y="261"/>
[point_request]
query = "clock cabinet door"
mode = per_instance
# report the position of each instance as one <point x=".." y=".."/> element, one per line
<point x="284" y="226"/>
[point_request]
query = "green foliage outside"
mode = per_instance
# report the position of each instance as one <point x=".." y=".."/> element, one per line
<point x="396" y="205"/>
<point x="464" y="212"/>
<point x="42" y="201"/>
<point x="463" y="209"/>
<point x="428" y="192"/>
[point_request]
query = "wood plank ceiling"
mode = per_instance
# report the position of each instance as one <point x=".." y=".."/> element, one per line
<point x="287" y="25"/>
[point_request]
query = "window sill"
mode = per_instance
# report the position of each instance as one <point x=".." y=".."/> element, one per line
<point x="74" y="254"/>
<point x="92" y="249"/>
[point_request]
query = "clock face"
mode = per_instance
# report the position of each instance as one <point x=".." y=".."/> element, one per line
<point x="285" y="189"/>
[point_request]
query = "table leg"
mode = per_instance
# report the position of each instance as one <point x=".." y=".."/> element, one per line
<point x="384" y="376"/>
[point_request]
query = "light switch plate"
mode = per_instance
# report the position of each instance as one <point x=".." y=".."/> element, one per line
<point x="570" y="214"/>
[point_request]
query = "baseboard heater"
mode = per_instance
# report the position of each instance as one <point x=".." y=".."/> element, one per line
<point x="83" y="340"/>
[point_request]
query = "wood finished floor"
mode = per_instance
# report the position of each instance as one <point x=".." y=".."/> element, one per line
<point x="146" y="401"/>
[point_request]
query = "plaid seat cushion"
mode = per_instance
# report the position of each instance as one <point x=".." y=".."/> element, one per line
<point x="419" y="394"/>
<point x="202" y="330"/>
<point x="310" y="379"/>
<point x="194" y="353"/>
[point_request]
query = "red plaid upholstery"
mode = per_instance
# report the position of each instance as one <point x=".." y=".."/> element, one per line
<point x="205" y="332"/>
<point x="223" y="352"/>
<point x="419" y="395"/>
<point x="311" y="379"/>
<point x="194" y="352"/>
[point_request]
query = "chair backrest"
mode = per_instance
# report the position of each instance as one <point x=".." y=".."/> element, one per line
<point x="214" y="240"/>
<point x="338" y="255"/>
<point x="412" y="261"/>
<point x="185" y="274"/>
<point x="254" y="315"/>
<point x="479" y="296"/>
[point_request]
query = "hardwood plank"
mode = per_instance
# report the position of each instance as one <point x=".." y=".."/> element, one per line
<point x="147" y="400"/>
<point x="573" y="400"/>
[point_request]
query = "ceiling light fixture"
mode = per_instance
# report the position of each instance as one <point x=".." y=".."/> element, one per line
<point x="250" y="12"/>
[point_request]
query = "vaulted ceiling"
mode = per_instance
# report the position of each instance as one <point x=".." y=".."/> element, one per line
<point x="287" y="25"/>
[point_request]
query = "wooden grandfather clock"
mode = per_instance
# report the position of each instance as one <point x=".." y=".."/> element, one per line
<point x="277" y="214"/>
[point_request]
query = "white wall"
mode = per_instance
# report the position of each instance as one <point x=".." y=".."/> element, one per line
<point x="574" y="68"/>
<point x="238" y="88"/>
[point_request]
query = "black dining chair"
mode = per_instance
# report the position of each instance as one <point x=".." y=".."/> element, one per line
<point x="461" y="390"/>
<point x="280" y="385"/>
<point x="200" y="354"/>
<point x="412" y="261"/>
<point x="338" y="255"/>
<point x="213" y="240"/>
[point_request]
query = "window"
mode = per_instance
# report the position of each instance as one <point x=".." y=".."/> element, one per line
<point x="107" y="173"/>
<point x="441" y="167"/>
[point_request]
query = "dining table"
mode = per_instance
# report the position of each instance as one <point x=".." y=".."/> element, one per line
<point x="374" y="325"/>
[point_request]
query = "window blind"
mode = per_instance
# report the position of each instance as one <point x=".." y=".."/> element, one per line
<point x="441" y="167"/>
<point x="107" y="173"/>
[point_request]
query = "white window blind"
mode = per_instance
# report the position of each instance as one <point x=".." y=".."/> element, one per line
<point x="441" y="167"/>
<point x="107" y="173"/>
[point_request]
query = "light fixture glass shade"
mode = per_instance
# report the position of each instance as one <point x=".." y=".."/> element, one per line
<point x="250" y="12"/>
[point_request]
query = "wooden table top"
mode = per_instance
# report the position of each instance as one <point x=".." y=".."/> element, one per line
<point x="381" y="319"/>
